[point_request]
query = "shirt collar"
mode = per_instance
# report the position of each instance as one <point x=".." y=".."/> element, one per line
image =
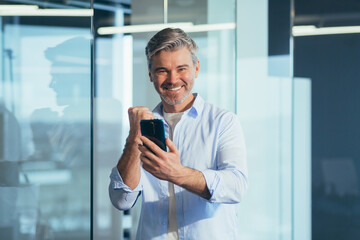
<point x="193" y="112"/>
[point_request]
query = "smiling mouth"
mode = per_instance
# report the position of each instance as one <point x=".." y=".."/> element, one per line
<point x="174" y="89"/>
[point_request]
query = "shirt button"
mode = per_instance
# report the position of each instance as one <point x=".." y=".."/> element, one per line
<point x="163" y="223"/>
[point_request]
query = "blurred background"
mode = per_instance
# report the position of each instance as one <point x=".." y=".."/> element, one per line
<point x="70" y="69"/>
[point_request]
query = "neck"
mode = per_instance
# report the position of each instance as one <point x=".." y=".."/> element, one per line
<point x="179" y="107"/>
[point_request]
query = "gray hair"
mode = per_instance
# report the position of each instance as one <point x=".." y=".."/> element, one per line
<point x="170" y="39"/>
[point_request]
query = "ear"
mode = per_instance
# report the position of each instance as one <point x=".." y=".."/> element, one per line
<point x="197" y="68"/>
<point x="150" y="76"/>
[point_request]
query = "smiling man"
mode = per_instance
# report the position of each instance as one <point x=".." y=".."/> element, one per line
<point x="193" y="190"/>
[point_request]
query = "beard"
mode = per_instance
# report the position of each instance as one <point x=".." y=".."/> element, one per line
<point x="173" y="102"/>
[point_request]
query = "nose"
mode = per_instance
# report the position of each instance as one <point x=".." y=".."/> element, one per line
<point x="173" y="77"/>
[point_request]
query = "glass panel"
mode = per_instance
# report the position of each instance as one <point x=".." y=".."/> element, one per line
<point x="217" y="83"/>
<point x="122" y="81"/>
<point x="45" y="121"/>
<point x="327" y="50"/>
<point x="302" y="158"/>
<point x="275" y="113"/>
<point x="113" y="96"/>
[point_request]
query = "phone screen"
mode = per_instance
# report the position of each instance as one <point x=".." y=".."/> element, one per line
<point x="155" y="131"/>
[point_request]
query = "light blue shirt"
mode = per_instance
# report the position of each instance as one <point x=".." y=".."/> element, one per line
<point x="209" y="140"/>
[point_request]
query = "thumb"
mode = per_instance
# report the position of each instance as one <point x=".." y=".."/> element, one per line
<point x="171" y="145"/>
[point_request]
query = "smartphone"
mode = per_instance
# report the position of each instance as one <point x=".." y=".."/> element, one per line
<point x="155" y="131"/>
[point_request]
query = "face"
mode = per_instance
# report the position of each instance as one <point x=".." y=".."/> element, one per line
<point x="173" y="75"/>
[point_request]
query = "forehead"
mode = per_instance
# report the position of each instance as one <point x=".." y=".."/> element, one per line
<point x="179" y="56"/>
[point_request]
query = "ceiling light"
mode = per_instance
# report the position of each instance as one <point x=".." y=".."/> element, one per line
<point x="18" y="7"/>
<point x="312" y="30"/>
<point x="141" y="28"/>
<point x="210" y="27"/>
<point x="33" y="10"/>
<point x="186" y="26"/>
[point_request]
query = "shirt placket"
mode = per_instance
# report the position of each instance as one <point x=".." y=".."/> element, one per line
<point x="178" y="190"/>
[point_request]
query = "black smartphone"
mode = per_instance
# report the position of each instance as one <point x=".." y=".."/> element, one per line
<point x="155" y="131"/>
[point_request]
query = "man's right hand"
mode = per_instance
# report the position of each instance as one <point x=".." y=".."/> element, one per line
<point x="129" y="163"/>
<point x="136" y="114"/>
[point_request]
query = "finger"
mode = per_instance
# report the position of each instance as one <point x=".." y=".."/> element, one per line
<point x="140" y="112"/>
<point x="146" y="152"/>
<point x="148" y="167"/>
<point x="146" y="163"/>
<point x="152" y="147"/>
<point x="147" y="116"/>
<point x="171" y="146"/>
<point x="142" y="148"/>
<point x="144" y="159"/>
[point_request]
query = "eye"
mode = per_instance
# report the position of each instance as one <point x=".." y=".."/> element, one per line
<point x="161" y="71"/>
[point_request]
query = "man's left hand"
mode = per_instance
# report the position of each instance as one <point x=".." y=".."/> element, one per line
<point x="161" y="164"/>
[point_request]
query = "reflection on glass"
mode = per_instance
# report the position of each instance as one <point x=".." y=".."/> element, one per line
<point x="64" y="140"/>
<point x="44" y="131"/>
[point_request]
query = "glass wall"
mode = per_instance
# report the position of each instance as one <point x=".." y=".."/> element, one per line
<point x="327" y="50"/>
<point x="275" y="113"/>
<point x="122" y="81"/>
<point x="71" y="69"/>
<point x="45" y="106"/>
<point x="273" y="107"/>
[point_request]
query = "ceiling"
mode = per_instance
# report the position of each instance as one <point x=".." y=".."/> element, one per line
<point x="327" y="12"/>
<point x="307" y="12"/>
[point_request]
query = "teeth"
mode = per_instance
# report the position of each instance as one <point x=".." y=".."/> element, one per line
<point x="174" y="89"/>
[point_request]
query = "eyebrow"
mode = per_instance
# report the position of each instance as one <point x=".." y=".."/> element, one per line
<point x="164" y="68"/>
<point x="181" y="66"/>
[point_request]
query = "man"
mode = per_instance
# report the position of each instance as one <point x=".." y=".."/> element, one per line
<point x="191" y="191"/>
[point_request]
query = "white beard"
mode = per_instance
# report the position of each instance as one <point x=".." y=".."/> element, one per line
<point x="174" y="102"/>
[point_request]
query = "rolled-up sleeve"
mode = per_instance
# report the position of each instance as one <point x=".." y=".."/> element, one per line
<point x="121" y="195"/>
<point x="228" y="182"/>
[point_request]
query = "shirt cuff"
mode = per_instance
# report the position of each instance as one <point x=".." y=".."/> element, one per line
<point x="118" y="183"/>
<point x="212" y="181"/>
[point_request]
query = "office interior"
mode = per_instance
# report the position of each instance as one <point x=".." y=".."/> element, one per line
<point x="70" y="69"/>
